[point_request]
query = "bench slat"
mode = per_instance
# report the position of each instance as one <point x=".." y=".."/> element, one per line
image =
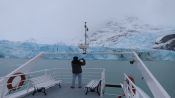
<point x="93" y="84"/>
<point x="44" y="81"/>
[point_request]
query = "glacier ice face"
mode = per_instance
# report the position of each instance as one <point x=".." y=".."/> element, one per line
<point x="27" y="50"/>
<point x="124" y="35"/>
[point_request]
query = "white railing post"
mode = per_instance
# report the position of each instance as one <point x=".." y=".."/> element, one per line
<point x="28" y="83"/>
<point x="3" y="87"/>
<point x="102" y="83"/>
<point x="125" y="87"/>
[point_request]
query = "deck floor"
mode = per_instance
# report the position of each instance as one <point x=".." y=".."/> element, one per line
<point x="66" y="92"/>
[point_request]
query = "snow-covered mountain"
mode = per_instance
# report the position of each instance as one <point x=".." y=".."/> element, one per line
<point x="123" y="35"/>
<point x="128" y="33"/>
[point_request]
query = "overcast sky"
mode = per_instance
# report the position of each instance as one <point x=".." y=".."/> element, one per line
<point x="52" y="21"/>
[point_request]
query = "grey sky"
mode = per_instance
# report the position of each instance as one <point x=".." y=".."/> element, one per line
<point x="51" y="21"/>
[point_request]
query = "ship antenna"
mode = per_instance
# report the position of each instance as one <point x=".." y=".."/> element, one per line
<point x="85" y="36"/>
<point x="85" y="45"/>
<point x="85" y="26"/>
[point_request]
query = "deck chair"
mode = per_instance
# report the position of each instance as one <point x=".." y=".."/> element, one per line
<point x="41" y="83"/>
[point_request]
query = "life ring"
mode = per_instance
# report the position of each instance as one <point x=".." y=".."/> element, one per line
<point x="10" y="85"/>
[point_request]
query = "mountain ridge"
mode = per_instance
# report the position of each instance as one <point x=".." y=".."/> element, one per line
<point x="128" y="33"/>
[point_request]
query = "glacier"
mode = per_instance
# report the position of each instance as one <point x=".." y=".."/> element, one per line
<point x="129" y="34"/>
<point x="27" y="50"/>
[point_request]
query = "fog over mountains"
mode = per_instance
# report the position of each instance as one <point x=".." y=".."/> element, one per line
<point x="128" y="33"/>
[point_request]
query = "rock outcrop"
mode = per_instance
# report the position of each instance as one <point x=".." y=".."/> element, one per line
<point x="166" y="42"/>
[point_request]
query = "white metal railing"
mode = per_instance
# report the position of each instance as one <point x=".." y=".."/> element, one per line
<point x="155" y="87"/>
<point x="2" y="87"/>
<point x="57" y="73"/>
<point x="26" y="67"/>
<point x="157" y="90"/>
<point x="131" y="90"/>
<point x="103" y="82"/>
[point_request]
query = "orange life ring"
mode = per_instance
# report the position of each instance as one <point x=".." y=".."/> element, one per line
<point x="20" y="84"/>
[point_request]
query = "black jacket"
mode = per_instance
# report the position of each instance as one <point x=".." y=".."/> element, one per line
<point x="76" y="66"/>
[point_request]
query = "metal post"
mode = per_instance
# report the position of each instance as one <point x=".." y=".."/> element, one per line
<point x="85" y="26"/>
<point x="28" y="83"/>
<point x="3" y="87"/>
<point x="85" y="38"/>
<point x="102" y="83"/>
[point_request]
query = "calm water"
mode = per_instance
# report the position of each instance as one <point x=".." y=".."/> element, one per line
<point x="162" y="70"/>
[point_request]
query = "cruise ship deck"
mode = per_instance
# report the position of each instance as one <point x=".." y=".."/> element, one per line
<point x="66" y="92"/>
<point x="110" y="72"/>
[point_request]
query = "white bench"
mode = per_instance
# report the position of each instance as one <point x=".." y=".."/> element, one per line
<point x="44" y="82"/>
<point x="93" y="86"/>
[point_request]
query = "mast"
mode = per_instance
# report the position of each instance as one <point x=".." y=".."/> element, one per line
<point x="85" y="36"/>
<point x="85" y="26"/>
<point x="85" y="45"/>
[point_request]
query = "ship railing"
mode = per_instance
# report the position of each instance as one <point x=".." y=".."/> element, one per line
<point x="131" y="90"/>
<point x="63" y="74"/>
<point x="103" y="83"/>
<point x="155" y="87"/>
<point x="1" y="87"/>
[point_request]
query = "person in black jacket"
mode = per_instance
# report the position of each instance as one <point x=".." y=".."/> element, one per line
<point x="77" y="70"/>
